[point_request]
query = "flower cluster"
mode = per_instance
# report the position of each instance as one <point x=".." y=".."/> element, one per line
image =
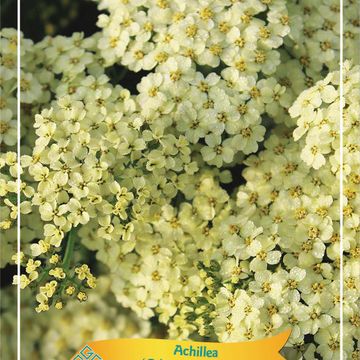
<point x="218" y="116"/>
<point x="314" y="37"/>
<point x="219" y="110"/>
<point x="315" y="34"/>
<point x="55" y="280"/>
<point x="99" y="318"/>
<point x="301" y="210"/>
<point x="8" y="204"/>
<point x="321" y="103"/>
<point x="317" y="112"/>
<point x="312" y="48"/>
<point x="8" y="73"/>
<point x="144" y="34"/>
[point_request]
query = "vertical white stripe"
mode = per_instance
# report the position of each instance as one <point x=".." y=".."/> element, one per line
<point x="19" y="182"/>
<point x="341" y="179"/>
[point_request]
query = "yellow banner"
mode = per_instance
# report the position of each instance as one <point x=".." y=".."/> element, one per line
<point x="158" y="349"/>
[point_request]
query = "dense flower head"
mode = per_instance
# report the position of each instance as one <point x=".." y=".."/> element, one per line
<point x="144" y="34"/>
<point x="8" y="71"/>
<point x="314" y="36"/>
<point x="100" y="318"/>
<point x="317" y="112"/>
<point x="324" y="153"/>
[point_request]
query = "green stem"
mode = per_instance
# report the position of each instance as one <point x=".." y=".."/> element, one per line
<point x="69" y="249"/>
<point x="42" y="276"/>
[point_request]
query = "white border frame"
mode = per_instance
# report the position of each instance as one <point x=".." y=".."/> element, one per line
<point x="18" y="232"/>
<point x="341" y="189"/>
<point x="19" y="181"/>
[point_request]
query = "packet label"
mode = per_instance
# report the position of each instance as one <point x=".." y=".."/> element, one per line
<point x="161" y="349"/>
